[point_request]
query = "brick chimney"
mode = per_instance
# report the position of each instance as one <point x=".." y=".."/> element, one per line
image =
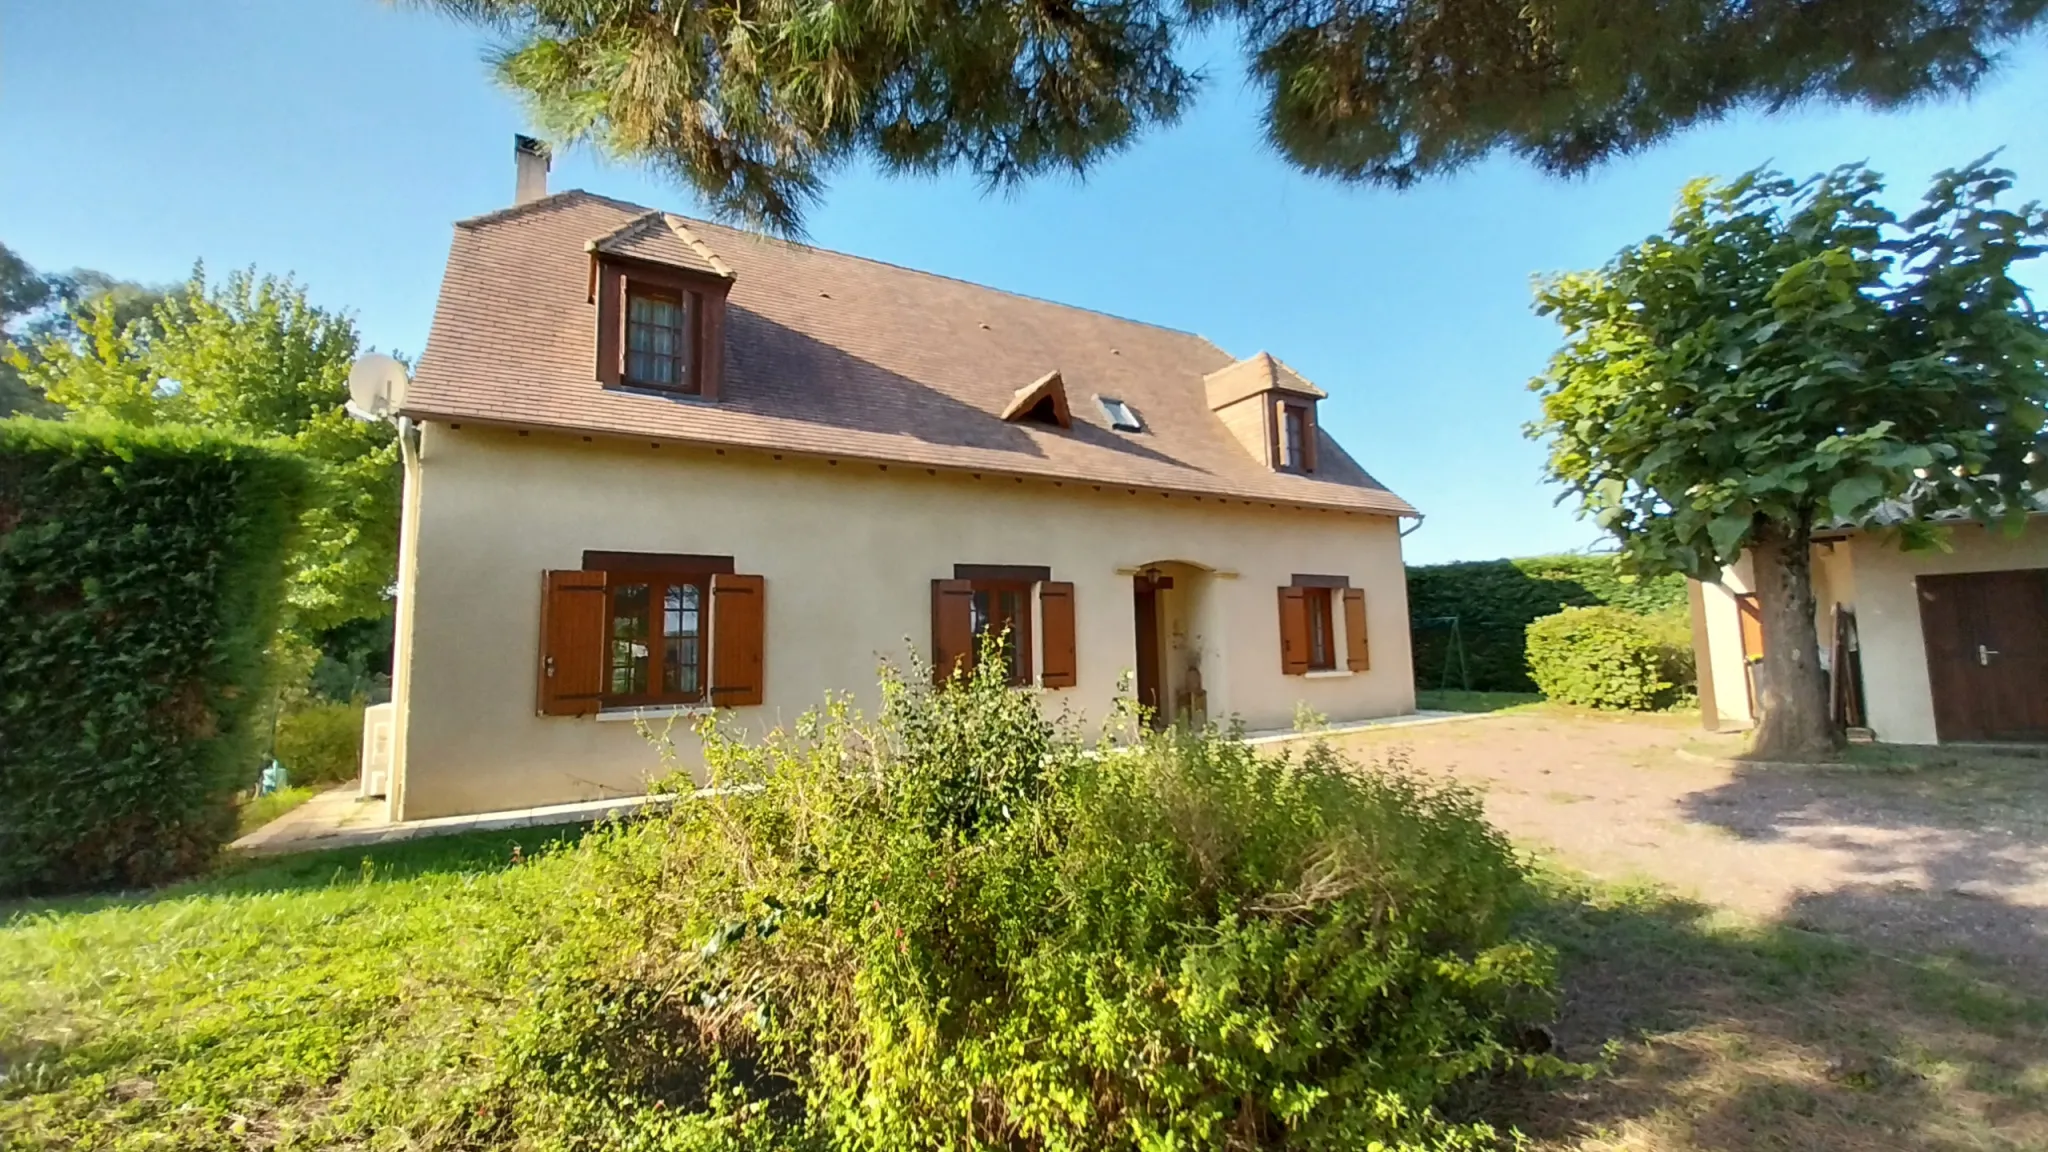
<point x="530" y="162"/>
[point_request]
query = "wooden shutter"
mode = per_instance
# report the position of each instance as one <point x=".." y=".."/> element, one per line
<point x="1751" y="615"/>
<point x="1357" y="652"/>
<point x="952" y="626"/>
<point x="572" y="619"/>
<point x="739" y="619"/>
<point x="1308" y="437"/>
<point x="1293" y="631"/>
<point x="1056" y="624"/>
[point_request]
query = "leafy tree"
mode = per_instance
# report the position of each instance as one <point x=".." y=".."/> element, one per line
<point x="34" y="305"/>
<point x="249" y="355"/>
<point x="1788" y="355"/>
<point x="755" y="103"/>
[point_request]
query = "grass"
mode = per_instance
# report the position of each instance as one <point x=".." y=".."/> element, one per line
<point x="353" y="998"/>
<point x="337" y="998"/>
<point x="1458" y="700"/>
<point x="257" y="811"/>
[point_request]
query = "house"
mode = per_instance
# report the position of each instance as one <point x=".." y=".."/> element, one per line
<point x="1922" y="647"/>
<point x="655" y="466"/>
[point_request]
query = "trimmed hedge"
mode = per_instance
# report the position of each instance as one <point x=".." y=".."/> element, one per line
<point x="141" y="574"/>
<point x="1599" y="658"/>
<point x="1495" y="601"/>
<point x="320" y="743"/>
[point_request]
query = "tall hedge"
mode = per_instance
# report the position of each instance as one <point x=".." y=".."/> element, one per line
<point x="141" y="574"/>
<point x="1496" y="600"/>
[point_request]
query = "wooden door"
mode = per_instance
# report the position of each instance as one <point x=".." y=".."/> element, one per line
<point x="1145" y="607"/>
<point x="1987" y="653"/>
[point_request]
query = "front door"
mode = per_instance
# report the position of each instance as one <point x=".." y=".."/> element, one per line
<point x="1987" y="653"/>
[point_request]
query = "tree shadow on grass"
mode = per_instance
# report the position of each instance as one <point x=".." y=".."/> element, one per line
<point x="1715" y="1037"/>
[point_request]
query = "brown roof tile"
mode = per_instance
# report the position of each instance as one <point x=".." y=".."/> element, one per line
<point x="835" y="355"/>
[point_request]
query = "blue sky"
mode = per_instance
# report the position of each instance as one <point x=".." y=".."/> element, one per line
<point x="338" y="139"/>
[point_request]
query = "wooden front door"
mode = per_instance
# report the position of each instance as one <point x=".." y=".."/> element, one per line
<point x="1987" y="653"/>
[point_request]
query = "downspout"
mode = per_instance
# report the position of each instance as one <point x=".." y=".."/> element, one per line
<point x="401" y="649"/>
<point x="1408" y="531"/>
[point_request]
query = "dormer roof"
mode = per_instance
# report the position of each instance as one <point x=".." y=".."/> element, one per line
<point x="661" y="238"/>
<point x="1253" y="375"/>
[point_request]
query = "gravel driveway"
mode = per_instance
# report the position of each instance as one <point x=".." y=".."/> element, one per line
<point x="1912" y="850"/>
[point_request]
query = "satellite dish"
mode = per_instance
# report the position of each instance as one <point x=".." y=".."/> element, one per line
<point x="376" y="386"/>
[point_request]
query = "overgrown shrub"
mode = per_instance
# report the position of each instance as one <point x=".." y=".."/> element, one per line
<point x="958" y="927"/>
<point x="1496" y="600"/>
<point x="1602" y="658"/>
<point x="320" y="743"/>
<point x="140" y="576"/>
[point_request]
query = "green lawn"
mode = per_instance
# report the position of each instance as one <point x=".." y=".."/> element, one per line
<point x="257" y="811"/>
<point x="354" y="999"/>
<point x="1458" y="700"/>
<point x="303" y="1002"/>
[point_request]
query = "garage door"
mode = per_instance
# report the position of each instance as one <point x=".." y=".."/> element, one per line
<point x="1987" y="653"/>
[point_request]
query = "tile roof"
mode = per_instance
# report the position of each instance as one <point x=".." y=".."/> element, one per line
<point x="839" y="356"/>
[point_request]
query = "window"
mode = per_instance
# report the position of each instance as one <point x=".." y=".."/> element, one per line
<point x="1322" y="649"/>
<point x="997" y="600"/>
<point x="635" y="629"/>
<point x="1295" y="433"/>
<point x="654" y="649"/>
<point x="1003" y="609"/>
<point x="1309" y="639"/>
<point x="659" y="328"/>
<point x="658" y="339"/>
<point x="1121" y="417"/>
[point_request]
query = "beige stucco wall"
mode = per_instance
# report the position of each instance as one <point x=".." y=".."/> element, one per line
<point x="848" y="553"/>
<point x="1871" y="574"/>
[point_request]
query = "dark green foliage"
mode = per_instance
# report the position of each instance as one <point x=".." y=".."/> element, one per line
<point x="958" y="928"/>
<point x="754" y="104"/>
<point x="1495" y="601"/>
<point x="141" y="572"/>
<point x="1601" y="658"/>
<point x="320" y="742"/>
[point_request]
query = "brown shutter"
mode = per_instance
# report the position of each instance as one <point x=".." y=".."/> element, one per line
<point x="1293" y="631"/>
<point x="738" y="629"/>
<point x="571" y="643"/>
<point x="952" y="626"/>
<point x="1056" y="623"/>
<point x="1308" y="437"/>
<point x="1356" y="650"/>
<point x="1751" y="614"/>
<point x="611" y="323"/>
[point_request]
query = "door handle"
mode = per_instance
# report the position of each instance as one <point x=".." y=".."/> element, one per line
<point x="1984" y="655"/>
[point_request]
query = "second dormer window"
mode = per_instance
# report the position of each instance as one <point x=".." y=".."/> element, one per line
<point x="1294" y="437"/>
<point x="658" y="339"/>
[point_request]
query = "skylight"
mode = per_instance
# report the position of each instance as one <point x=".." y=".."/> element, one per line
<point x="1121" y="417"/>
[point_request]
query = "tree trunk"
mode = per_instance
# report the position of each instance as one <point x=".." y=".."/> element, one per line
<point x="1792" y="689"/>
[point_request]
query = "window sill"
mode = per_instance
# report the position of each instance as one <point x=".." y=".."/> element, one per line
<point x="657" y="391"/>
<point x="651" y="712"/>
<point x="1328" y="674"/>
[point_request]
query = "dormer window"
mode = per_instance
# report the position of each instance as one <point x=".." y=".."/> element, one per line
<point x="658" y="343"/>
<point x="1296" y="432"/>
<point x="1269" y="409"/>
<point x="660" y="297"/>
<point x="1121" y="417"/>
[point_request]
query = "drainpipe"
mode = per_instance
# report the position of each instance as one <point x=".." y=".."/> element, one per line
<point x="1408" y="531"/>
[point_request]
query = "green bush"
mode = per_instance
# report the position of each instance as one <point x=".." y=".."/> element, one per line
<point x="957" y="927"/>
<point x="141" y="572"/>
<point x="320" y="743"/>
<point x="1602" y="658"/>
<point x="1496" y="600"/>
